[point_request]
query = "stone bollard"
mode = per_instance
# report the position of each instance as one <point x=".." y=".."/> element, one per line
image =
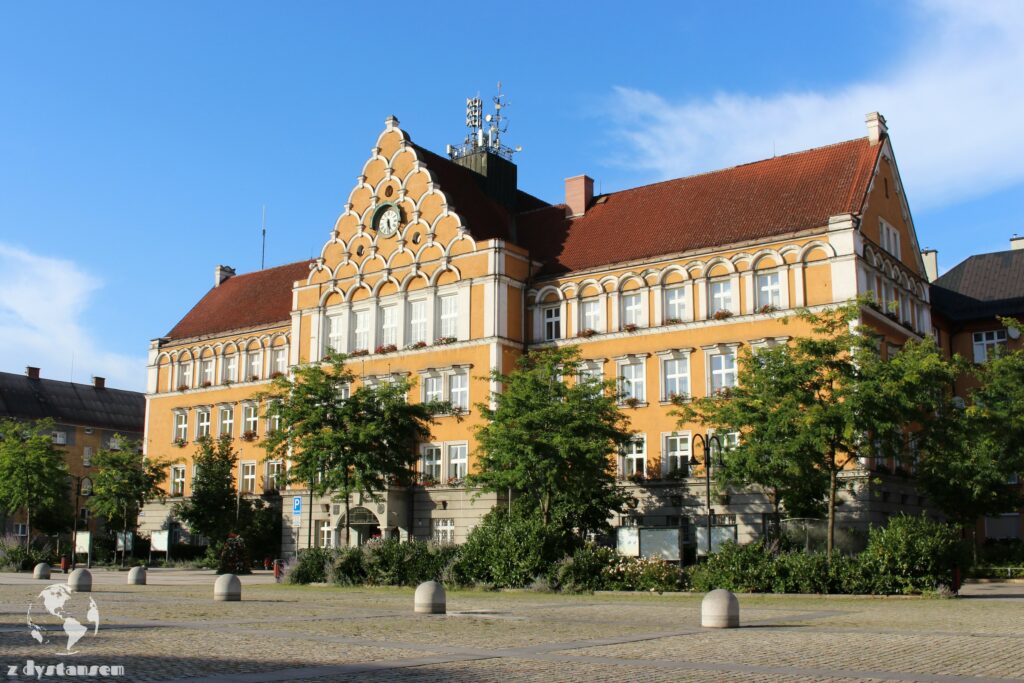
<point x="227" y="588"/>
<point x="41" y="571"/>
<point x="137" y="576"/>
<point x="430" y="598"/>
<point x="80" y="581"/>
<point x="720" y="609"/>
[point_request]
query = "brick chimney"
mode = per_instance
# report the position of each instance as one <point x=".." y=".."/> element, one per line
<point x="222" y="273"/>
<point x="931" y="263"/>
<point x="579" y="192"/>
<point x="33" y="373"/>
<point x="99" y="382"/>
<point x="1016" y="242"/>
<point x="876" y="127"/>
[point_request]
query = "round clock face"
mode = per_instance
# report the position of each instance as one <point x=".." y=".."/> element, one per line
<point x="388" y="221"/>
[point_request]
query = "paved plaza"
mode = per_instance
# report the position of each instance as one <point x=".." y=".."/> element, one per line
<point x="172" y="630"/>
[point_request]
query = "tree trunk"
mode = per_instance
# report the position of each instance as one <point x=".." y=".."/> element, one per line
<point x="124" y="538"/>
<point x="348" y="540"/>
<point x="545" y="507"/>
<point x="28" y="526"/>
<point x="833" y="481"/>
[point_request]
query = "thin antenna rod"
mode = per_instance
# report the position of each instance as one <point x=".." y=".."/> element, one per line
<point x="263" y="224"/>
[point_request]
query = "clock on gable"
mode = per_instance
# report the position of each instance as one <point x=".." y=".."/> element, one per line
<point x="387" y="220"/>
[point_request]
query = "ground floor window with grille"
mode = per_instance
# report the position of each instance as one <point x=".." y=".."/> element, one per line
<point x="442" y="530"/>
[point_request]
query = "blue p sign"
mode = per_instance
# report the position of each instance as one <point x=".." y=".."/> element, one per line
<point x="296" y="505"/>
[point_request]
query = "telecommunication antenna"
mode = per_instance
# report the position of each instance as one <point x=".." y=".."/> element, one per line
<point x="484" y="132"/>
<point x="263" y="228"/>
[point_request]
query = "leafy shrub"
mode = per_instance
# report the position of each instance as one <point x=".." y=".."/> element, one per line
<point x="234" y="557"/>
<point x="311" y="566"/>
<point x="346" y="567"/>
<point x="642" y="574"/>
<point x="509" y="549"/>
<point x="911" y="554"/>
<point x="14" y="556"/>
<point x="739" y="568"/>
<point x="583" y="571"/>
<point x="395" y="563"/>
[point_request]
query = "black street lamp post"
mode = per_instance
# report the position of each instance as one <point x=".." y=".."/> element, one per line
<point x="706" y="442"/>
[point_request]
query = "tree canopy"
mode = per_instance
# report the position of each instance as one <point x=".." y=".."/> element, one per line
<point x="213" y="508"/>
<point x="33" y="474"/>
<point x="343" y="441"/>
<point x="551" y="438"/>
<point x="123" y="481"/>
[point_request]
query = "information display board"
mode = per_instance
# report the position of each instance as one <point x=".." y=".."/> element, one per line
<point x="661" y="544"/>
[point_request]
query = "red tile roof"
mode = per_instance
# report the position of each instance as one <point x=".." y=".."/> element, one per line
<point x="754" y="201"/>
<point x="242" y="301"/>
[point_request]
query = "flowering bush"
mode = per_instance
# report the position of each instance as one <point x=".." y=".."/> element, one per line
<point x="182" y="387"/>
<point x="441" y="341"/>
<point x="249" y="436"/>
<point x="417" y="345"/>
<point x="767" y="308"/>
<point x="386" y="348"/>
<point x="587" y="333"/>
<point x="359" y="352"/>
<point x="641" y="574"/>
<point x="632" y="402"/>
<point x="722" y="314"/>
<point x="672" y="321"/>
<point x="181" y="443"/>
<point x="630" y="327"/>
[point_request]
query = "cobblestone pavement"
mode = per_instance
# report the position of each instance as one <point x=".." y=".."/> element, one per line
<point x="172" y="630"/>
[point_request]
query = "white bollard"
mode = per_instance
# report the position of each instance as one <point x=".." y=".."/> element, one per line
<point x="227" y="588"/>
<point x="41" y="571"/>
<point x="137" y="576"/>
<point x="720" y="609"/>
<point x="430" y="598"/>
<point x="80" y="581"/>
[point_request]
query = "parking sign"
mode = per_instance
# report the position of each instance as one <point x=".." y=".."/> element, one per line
<point x="296" y="511"/>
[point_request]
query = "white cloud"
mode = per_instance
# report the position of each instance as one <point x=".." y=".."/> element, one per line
<point x="953" y="100"/>
<point x="43" y="302"/>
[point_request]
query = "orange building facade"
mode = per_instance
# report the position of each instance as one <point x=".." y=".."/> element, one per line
<point x="440" y="269"/>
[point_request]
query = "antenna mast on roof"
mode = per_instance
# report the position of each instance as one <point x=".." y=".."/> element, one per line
<point x="263" y="227"/>
<point x="477" y="138"/>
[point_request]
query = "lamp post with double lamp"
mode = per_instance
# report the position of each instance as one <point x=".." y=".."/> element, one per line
<point x="706" y="442"/>
<point x="83" y="489"/>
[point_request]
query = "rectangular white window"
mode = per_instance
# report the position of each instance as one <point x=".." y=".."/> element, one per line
<point x="457" y="461"/>
<point x="178" y="480"/>
<point x="335" y="333"/>
<point x="388" y="316"/>
<point x="552" y="323"/>
<point x="723" y="371"/>
<point x="986" y="343"/>
<point x="591" y="311"/>
<point x="20" y="529"/>
<point x="361" y="331"/>
<point x="280" y="360"/>
<point x="632" y="311"/>
<point x="458" y="390"/>
<point x="181" y="426"/>
<point x="769" y="291"/>
<point x="325" y="534"/>
<point x="591" y="371"/>
<point x="226" y="423"/>
<point x="248" y="482"/>
<point x="417" y="321"/>
<point x="185" y="375"/>
<point x="634" y="457"/>
<point x="273" y="420"/>
<point x="250" y="419"/>
<point x="675" y="304"/>
<point x="202" y="422"/>
<point x="677" y="453"/>
<point x="442" y="530"/>
<point x="721" y="297"/>
<point x="631" y="381"/>
<point x="448" y="319"/>
<point x="430" y="466"/>
<point x="206" y="372"/>
<point x="433" y="388"/>
<point x="254" y="365"/>
<point x="676" y="377"/>
<point x="275" y="475"/>
<point x="890" y="238"/>
<point x="229" y="370"/>
<point x="87" y="456"/>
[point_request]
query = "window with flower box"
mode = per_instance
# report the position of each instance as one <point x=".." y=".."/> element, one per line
<point x="202" y="422"/>
<point x="591" y="314"/>
<point x="458" y="390"/>
<point x="458" y="461"/>
<point x="769" y="291"/>
<point x="360" y="330"/>
<point x="418" y="322"/>
<point x="250" y="420"/>
<point x="675" y="375"/>
<point x="675" y="304"/>
<point x="430" y="464"/>
<point x="634" y="457"/>
<point x="721" y="371"/>
<point x="720" y="299"/>
<point x="226" y="423"/>
<point x="181" y="426"/>
<point x="177" y="480"/>
<point x="185" y="374"/>
<point x="632" y="310"/>
<point x="448" y="316"/>
<point x="254" y="365"/>
<point x="632" y="381"/>
<point x="388" y="318"/>
<point x="229" y="369"/>
<point x="206" y="372"/>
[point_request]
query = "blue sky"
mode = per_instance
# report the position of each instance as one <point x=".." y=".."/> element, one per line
<point x="138" y="141"/>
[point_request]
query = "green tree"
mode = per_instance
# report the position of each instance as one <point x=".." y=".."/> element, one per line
<point x="973" y="454"/>
<point x="552" y="441"/>
<point x="213" y="508"/>
<point x="807" y="410"/>
<point x="342" y="441"/>
<point x="123" y="481"/>
<point x="33" y="475"/>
